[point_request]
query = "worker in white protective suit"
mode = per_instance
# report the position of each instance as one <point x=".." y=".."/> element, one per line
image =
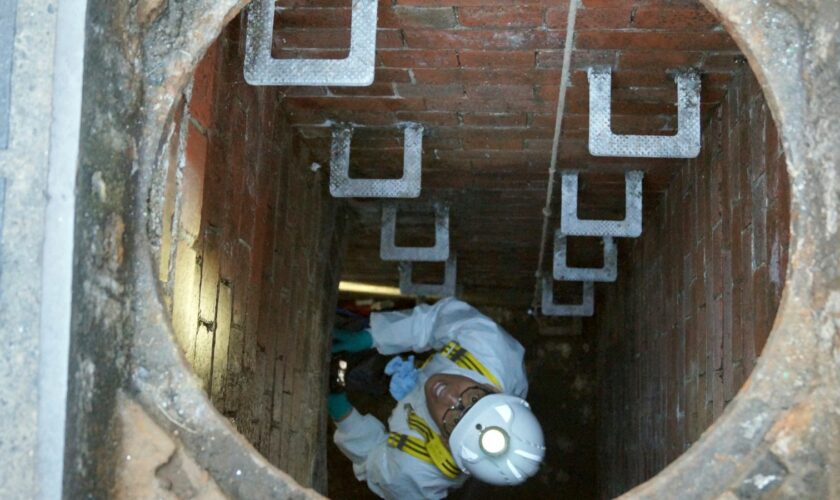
<point x="465" y="416"/>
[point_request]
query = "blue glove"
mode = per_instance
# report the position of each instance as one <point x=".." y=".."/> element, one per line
<point x="338" y="405"/>
<point x="344" y="340"/>
<point x="403" y="376"/>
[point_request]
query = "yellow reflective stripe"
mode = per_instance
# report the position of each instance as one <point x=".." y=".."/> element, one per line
<point x="418" y="450"/>
<point x="440" y="455"/>
<point x="432" y="450"/>
<point x="447" y="348"/>
<point x="417" y="424"/>
<point x="404" y="440"/>
<point x="451" y="468"/>
<point x="465" y="359"/>
<point x="410" y="445"/>
<point x="442" y="458"/>
<point x="469" y="358"/>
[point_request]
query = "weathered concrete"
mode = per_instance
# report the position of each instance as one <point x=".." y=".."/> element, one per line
<point x="152" y="465"/>
<point x="40" y="92"/>
<point x="24" y="168"/>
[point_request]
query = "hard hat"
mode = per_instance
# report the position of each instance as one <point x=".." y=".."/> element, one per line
<point x="499" y="440"/>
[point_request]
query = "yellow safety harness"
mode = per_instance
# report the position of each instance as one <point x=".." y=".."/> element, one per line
<point x="431" y="448"/>
<point x="463" y="358"/>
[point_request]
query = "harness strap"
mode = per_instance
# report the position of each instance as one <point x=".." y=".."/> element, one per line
<point x="430" y="449"/>
<point x="464" y="358"/>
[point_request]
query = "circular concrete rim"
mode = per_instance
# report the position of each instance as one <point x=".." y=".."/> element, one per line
<point x="773" y="42"/>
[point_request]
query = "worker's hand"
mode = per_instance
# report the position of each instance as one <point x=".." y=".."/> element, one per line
<point x="339" y="406"/>
<point x="347" y="341"/>
<point x="403" y="376"/>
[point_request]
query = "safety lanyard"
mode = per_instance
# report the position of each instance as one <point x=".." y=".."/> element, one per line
<point x="430" y="449"/>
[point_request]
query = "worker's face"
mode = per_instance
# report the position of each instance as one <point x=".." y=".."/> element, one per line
<point x="442" y="393"/>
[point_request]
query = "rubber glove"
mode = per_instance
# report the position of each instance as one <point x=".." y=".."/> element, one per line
<point x="344" y="340"/>
<point x="338" y="406"/>
<point x="403" y="376"/>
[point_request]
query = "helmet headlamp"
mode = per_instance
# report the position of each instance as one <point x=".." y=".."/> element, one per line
<point x="494" y="441"/>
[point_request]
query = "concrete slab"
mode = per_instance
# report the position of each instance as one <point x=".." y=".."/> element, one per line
<point x="8" y="8"/>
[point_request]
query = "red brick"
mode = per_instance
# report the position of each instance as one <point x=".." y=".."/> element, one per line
<point x="443" y="143"/>
<point x="496" y="59"/>
<point x="392" y="75"/>
<point x="203" y="90"/>
<point x="309" y="18"/>
<point x="763" y="321"/>
<point x="471" y="2"/>
<point x="209" y="279"/>
<point x="677" y="19"/>
<point x="322" y="4"/>
<point x="303" y="91"/>
<point x="364" y="118"/>
<point x="587" y="19"/>
<point x="583" y="59"/>
<point x="630" y="79"/>
<point x="647" y="40"/>
<point x="417" y="58"/>
<point x="660" y="60"/>
<point x="478" y="39"/>
<point x="512" y="92"/>
<point x="549" y="58"/>
<point x="329" y="39"/>
<point x="355" y="103"/>
<point x="429" y="117"/>
<point x="548" y="120"/>
<point x="720" y="80"/>
<point x="481" y="76"/>
<point x="193" y="191"/>
<point x="378" y="89"/>
<point x="309" y="53"/>
<point x="422" y="90"/>
<point x="401" y="16"/>
<point x="213" y="210"/>
<point x="483" y="105"/>
<point x="511" y="16"/>
<point x="310" y="39"/>
<point x="727" y="62"/>
<point x="495" y="119"/>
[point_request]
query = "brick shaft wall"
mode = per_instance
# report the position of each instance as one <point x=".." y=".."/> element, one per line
<point x="256" y="262"/>
<point x="482" y="76"/>
<point x="680" y="331"/>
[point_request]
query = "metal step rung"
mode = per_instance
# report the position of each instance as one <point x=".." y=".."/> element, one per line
<point x="562" y="272"/>
<point x="631" y="226"/>
<point x="407" y="186"/>
<point x="446" y="289"/>
<point x="550" y="308"/>
<point x="356" y="70"/>
<point x="602" y="141"/>
<point x="388" y="250"/>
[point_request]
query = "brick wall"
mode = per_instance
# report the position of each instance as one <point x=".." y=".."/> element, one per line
<point x="482" y="76"/>
<point x="255" y="263"/>
<point x="680" y="331"/>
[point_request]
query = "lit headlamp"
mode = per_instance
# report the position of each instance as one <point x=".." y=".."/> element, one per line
<point x="494" y="441"/>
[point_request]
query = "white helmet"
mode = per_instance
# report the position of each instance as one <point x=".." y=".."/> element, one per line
<point x="499" y="440"/>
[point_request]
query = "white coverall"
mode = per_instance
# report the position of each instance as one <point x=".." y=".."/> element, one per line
<point x="394" y="474"/>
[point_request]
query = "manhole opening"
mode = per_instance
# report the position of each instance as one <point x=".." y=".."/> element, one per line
<point x="252" y="242"/>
